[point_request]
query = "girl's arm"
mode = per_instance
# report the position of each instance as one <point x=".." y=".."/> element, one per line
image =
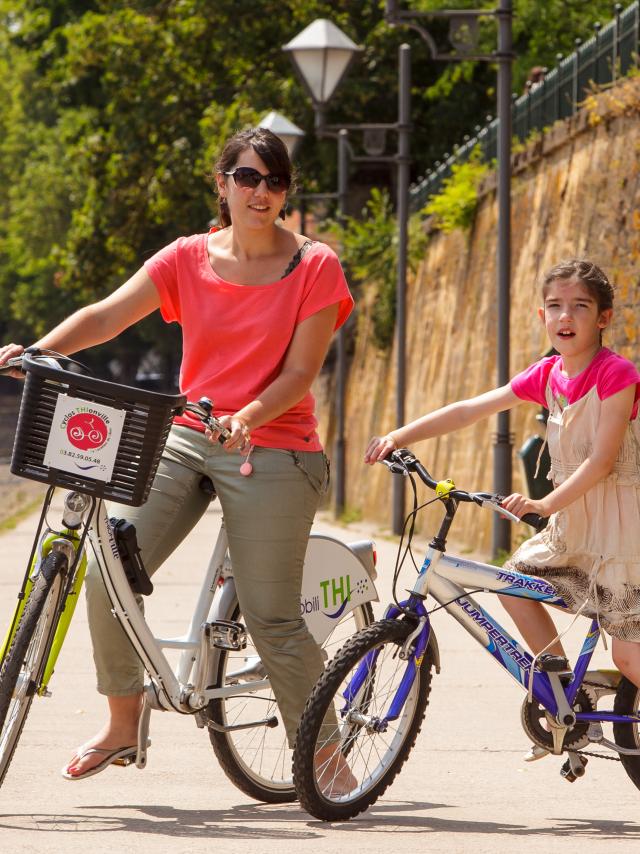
<point x="301" y="366"/>
<point x="614" y="418"/>
<point x="100" y="321"/>
<point x="444" y="420"/>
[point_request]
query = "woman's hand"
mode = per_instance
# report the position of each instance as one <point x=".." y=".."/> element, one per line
<point x="519" y="505"/>
<point x="10" y="351"/>
<point x="240" y="438"/>
<point x="380" y="447"/>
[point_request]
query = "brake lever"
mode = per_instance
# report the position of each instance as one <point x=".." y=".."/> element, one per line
<point x="203" y="410"/>
<point x="394" y="467"/>
<point x="494" y="505"/>
<point x="13" y="364"/>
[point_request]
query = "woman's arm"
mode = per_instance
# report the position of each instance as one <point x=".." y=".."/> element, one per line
<point x="106" y="319"/>
<point x="441" y="421"/>
<point x="301" y="366"/>
<point x="614" y="419"/>
<point x="98" y="322"/>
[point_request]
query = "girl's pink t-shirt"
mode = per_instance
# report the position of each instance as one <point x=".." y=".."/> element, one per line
<point x="608" y="371"/>
<point x="235" y="337"/>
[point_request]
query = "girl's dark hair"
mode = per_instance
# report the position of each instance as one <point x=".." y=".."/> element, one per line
<point x="267" y="146"/>
<point x="592" y="277"/>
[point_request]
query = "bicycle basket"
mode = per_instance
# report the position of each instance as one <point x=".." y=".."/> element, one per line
<point x="108" y="447"/>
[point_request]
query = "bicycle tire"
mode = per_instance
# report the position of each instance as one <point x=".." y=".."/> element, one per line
<point x="25" y="660"/>
<point x="627" y="702"/>
<point x="359" y="746"/>
<point x="258" y="760"/>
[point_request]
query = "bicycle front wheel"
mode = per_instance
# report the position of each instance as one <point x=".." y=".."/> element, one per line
<point x="340" y="772"/>
<point x="258" y="759"/>
<point x="27" y="655"/>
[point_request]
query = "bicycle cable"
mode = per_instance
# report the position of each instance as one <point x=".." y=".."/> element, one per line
<point x="401" y="557"/>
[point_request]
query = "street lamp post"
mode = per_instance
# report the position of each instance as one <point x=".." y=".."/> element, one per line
<point x="463" y="38"/>
<point x="312" y="53"/>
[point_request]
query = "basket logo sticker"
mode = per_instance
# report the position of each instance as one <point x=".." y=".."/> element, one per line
<point x="87" y="432"/>
<point x="84" y="437"/>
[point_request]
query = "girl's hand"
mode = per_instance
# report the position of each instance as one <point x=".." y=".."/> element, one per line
<point x="519" y="505"/>
<point x="10" y="351"/>
<point x="240" y="439"/>
<point x="380" y="447"/>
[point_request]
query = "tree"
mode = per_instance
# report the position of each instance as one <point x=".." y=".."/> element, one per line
<point x="112" y="113"/>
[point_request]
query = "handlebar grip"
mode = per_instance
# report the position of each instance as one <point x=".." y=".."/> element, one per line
<point x="537" y="522"/>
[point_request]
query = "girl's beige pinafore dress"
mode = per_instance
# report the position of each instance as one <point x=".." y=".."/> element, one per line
<point x="590" y="550"/>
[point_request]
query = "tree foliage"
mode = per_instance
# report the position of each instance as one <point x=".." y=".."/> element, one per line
<point x="369" y="249"/>
<point x="455" y="205"/>
<point x="112" y="114"/>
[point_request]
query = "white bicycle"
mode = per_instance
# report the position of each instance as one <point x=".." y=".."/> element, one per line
<point x="219" y="678"/>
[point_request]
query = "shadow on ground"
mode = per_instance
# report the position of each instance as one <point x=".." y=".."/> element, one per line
<point x="248" y="822"/>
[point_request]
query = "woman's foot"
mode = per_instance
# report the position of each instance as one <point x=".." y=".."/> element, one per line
<point x="121" y="756"/>
<point x="534" y="753"/>
<point x="117" y="735"/>
<point x="333" y="773"/>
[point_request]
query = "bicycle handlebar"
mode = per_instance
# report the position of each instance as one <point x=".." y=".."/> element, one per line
<point x="202" y="409"/>
<point x="402" y="461"/>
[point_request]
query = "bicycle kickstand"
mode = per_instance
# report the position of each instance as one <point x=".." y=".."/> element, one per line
<point x="143" y="733"/>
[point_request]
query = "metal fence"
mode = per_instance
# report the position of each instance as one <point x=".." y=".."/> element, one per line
<point x="609" y="54"/>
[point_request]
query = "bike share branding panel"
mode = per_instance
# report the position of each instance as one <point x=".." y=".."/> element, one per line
<point x="84" y="437"/>
<point x="334" y="582"/>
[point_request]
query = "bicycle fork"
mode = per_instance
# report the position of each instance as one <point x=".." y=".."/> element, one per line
<point x="413" y="651"/>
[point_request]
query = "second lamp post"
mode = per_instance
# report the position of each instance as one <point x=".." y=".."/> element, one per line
<point x="321" y="55"/>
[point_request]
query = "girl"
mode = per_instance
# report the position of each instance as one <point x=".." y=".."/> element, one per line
<point x="590" y="550"/>
<point x="258" y="305"/>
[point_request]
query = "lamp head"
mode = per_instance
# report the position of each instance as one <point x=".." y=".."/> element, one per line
<point x="289" y="133"/>
<point x="321" y="55"/>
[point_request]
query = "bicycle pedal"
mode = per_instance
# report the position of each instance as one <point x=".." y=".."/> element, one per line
<point x="554" y="664"/>
<point x="227" y="634"/>
<point x="571" y="771"/>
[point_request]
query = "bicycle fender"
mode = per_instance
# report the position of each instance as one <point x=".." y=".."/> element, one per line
<point x="336" y="579"/>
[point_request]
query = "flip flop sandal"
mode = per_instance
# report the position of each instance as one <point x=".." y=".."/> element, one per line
<point x="123" y="756"/>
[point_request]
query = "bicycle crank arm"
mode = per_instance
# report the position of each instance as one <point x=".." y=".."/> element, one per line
<point x="266" y="722"/>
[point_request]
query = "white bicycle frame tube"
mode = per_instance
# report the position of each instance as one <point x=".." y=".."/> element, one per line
<point x="214" y="603"/>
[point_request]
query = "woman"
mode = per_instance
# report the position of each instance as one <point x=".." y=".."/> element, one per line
<point x="258" y="305"/>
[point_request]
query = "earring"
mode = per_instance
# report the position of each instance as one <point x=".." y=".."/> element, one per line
<point x="283" y="210"/>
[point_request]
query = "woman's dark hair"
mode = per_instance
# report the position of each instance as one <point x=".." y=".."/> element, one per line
<point x="592" y="277"/>
<point x="269" y="147"/>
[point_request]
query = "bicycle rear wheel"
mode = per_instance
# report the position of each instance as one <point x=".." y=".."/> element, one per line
<point x="258" y="760"/>
<point x="25" y="660"/>
<point x="627" y="702"/>
<point x="371" y="751"/>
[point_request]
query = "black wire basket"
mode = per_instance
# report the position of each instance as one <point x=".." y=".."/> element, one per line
<point x="147" y="420"/>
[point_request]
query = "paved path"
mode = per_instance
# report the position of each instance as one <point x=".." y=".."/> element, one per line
<point x="465" y="788"/>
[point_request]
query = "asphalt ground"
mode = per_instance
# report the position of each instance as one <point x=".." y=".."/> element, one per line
<point x="465" y="788"/>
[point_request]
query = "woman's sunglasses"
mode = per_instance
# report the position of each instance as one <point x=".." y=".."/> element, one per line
<point x="249" y="179"/>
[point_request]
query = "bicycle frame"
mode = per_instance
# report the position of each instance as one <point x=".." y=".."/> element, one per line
<point x="445" y="578"/>
<point x="185" y="688"/>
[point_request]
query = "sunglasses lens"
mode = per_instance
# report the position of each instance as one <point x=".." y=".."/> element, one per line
<point x="249" y="178"/>
<point x="277" y="182"/>
<point x="246" y="177"/>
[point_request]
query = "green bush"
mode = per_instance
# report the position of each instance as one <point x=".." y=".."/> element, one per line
<point x="455" y="206"/>
<point x="369" y="250"/>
